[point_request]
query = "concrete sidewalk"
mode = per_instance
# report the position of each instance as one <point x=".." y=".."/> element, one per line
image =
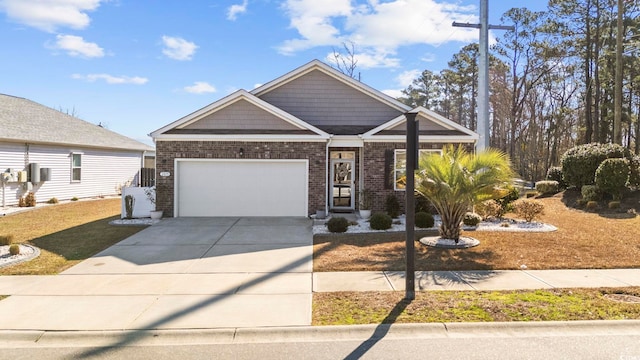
<point x="232" y="283"/>
<point x="475" y="280"/>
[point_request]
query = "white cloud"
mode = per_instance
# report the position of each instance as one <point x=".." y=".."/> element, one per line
<point x="235" y="10"/>
<point x="314" y="22"/>
<point x="178" y="48"/>
<point x="405" y="78"/>
<point x="110" y="79"/>
<point x="378" y="28"/>
<point x="200" y="87"/>
<point x="76" y="46"/>
<point x="48" y="15"/>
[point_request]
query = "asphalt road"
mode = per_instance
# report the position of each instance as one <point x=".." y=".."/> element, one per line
<point x="593" y="346"/>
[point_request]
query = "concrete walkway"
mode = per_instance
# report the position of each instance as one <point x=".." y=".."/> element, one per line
<point x="179" y="274"/>
<point x="475" y="280"/>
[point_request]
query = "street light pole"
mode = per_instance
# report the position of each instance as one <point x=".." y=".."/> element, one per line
<point x="410" y="209"/>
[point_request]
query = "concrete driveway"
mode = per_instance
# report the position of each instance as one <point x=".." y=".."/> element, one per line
<point x="180" y="273"/>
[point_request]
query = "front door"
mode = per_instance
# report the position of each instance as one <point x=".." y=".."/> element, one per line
<point x="342" y="180"/>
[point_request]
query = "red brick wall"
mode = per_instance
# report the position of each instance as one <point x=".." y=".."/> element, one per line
<point x="374" y="170"/>
<point x="168" y="151"/>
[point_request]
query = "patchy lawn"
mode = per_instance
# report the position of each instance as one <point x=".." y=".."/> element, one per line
<point x="349" y="308"/>
<point x="584" y="240"/>
<point x="65" y="233"/>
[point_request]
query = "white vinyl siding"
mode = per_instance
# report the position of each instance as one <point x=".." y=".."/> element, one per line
<point x="103" y="171"/>
<point x="400" y="165"/>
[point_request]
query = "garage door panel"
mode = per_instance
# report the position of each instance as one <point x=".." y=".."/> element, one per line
<point x="241" y="188"/>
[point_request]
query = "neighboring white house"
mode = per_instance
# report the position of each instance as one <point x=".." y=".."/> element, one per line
<point x="57" y="155"/>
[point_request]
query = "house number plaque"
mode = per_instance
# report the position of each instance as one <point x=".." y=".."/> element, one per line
<point x="165" y="173"/>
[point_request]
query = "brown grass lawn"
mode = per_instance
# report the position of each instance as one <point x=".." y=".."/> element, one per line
<point x="584" y="240"/>
<point x="65" y="233"/>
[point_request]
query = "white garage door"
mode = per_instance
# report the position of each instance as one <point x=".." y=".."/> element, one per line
<point x="240" y="187"/>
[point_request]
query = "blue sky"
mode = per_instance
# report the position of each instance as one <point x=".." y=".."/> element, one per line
<point x="137" y="65"/>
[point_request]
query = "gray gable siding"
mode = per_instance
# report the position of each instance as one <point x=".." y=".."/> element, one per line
<point x="424" y="124"/>
<point x="322" y="101"/>
<point x="241" y="115"/>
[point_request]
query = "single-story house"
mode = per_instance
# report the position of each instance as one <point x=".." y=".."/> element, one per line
<point x="53" y="154"/>
<point x="309" y="140"/>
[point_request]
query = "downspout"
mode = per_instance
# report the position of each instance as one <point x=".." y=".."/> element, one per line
<point x="326" y="176"/>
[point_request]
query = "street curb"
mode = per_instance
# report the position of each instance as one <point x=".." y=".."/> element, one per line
<point x="37" y="338"/>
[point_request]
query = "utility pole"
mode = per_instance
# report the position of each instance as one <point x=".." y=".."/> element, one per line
<point x="483" y="72"/>
<point x="617" y="112"/>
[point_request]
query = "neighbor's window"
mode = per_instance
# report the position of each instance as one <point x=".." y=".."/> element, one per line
<point x="400" y="165"/>
<point x="76" y="166"/>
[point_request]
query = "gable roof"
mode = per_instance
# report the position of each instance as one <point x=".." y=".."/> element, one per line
<point x="24" y="120"/>
<point x="328" y="70"/>
<point x="442" y="129"/>
<point x="179" y="128"/>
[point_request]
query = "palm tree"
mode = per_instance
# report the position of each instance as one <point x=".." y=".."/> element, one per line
<point x="455" y="180"/>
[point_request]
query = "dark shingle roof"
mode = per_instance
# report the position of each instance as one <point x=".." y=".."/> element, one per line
<point x="27" y="121"/>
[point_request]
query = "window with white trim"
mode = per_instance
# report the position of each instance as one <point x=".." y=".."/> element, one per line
<point x="400" y="165"/>
<point x="76" y="167"/>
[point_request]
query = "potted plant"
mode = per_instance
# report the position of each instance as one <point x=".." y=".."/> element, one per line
<point x="366" y="202"/>
<point x="151" y="195"/>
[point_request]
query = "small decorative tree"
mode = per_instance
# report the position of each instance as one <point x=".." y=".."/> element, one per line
<point x="456" y="180"/>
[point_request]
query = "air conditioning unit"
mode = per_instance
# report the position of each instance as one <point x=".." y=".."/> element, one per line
<point x="45" y="174"/>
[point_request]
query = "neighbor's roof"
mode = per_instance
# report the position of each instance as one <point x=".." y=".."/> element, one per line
<point x="27" y="121"/>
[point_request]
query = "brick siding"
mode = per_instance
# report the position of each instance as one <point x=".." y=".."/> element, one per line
<point x="168" y="151"/>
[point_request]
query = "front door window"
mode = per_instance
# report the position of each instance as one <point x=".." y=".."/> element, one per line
<point x="342" y="184"/>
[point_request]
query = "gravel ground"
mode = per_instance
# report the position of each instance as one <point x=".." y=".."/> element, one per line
<point x="362" y="226"/>
<point x="27" y="252"/>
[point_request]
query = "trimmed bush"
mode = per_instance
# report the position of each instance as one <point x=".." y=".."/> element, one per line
<point x="612" y="176"/>
<point x="337" y="225"/>
<point x="392" y="206"/>
<point x="579" y="164"/>
<point x="471" y="219"/>
<point x="488" y="209"/>
<point x="74" y="199"/>
<point x="555" y="174"/>
<point x="591" y="193"/>
<point x="530" y="194"/>
<point x="14" y="249"/>
<point x="53" y="200"/>
<point x="528" y="209"/>
<point x="614" y="205"/>
<point x="424" y="220"/>
<point x="424" y="205"/>
<point x="505" y="201"/>
<point x="547" y="187"/>
<point x="592" y="205"/>
<point x="380" y="221"/>
<point x="30" y="199"/>
<point x="6" y="240"/>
